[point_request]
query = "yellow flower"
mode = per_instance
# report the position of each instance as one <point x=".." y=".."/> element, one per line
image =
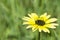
<point x="41" y="23"/>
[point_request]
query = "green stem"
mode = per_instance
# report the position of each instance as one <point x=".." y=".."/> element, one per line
<point x="38" y="35"/>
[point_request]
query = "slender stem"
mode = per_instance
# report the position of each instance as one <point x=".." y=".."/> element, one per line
<point x="38" y="35"/>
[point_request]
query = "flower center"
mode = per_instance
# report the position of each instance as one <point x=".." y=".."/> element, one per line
<point x="40" y="22"/>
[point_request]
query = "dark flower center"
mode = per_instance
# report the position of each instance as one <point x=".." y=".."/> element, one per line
<point x="40" y="22"/>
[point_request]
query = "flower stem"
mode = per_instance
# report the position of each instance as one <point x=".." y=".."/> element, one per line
<point x="38" y="35"/>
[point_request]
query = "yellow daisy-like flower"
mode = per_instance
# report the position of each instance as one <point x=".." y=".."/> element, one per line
<point x="41" y="23"/>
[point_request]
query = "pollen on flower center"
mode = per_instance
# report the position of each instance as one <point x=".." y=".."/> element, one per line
<point x="40" y="22"/>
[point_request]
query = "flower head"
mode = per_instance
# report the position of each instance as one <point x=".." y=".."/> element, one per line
<point x="41" y="23"/>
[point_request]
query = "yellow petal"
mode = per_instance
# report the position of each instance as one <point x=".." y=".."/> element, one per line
<point x="29" y="22"/>
<point x="40" y="29"/>
<point x="48" y="16"/>
<point x="26" y="18"/>
<point x="34" y="29"/>
<point x="46" y="30"/>
<point x="51" y="20"/>
<point x="33" y="16"/>
<point x="44" y="15"/>
<point x="43" y="28"/>
<point x="25" y="23"/>
<point x="52" y="25"/>
<point x="28" y="27"/>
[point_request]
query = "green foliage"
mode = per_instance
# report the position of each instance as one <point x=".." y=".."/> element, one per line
<point x="12" y="12"/>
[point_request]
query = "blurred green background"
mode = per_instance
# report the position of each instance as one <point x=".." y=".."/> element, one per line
<point x="12" y="12"/>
